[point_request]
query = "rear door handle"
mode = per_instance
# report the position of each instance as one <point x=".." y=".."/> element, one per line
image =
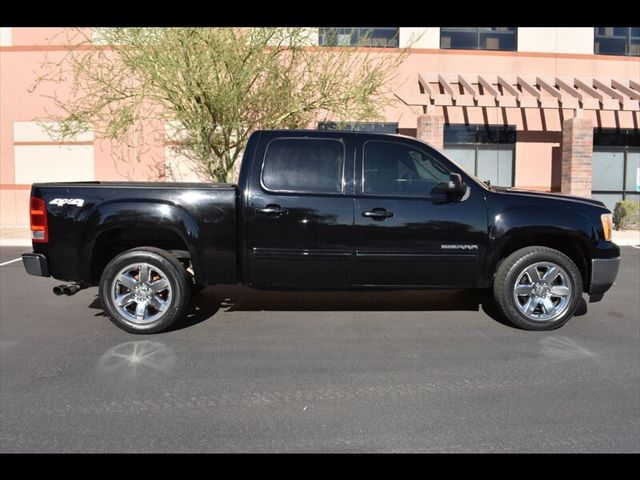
<point x="275" y="210"/>
<point x="378" y="214"/>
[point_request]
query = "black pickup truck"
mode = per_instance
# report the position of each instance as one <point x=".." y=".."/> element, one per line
<point x="323" y="211"/>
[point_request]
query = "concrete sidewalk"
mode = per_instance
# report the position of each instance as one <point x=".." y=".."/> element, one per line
<point x="15" y="237"/>
<point x="20" y="237"/>
<point x="626" y="238"/>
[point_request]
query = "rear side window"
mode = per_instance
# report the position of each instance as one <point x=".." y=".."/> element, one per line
<point x="304" y="165"/>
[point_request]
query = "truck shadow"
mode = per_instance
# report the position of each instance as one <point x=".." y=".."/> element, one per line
<point x="201" y="308"/>
<point x="237" y="298"/>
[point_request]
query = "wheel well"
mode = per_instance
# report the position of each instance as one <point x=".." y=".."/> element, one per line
<point x="573" y="248"/>
<point x="113" y="242"/>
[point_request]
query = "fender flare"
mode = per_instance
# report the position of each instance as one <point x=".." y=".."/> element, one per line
<point x="142" y="213"/>
<point x="520" y="222"/>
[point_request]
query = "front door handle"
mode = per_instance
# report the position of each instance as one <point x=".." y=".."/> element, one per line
<point x="275" y="210"/>
<point x="378" y="214"/>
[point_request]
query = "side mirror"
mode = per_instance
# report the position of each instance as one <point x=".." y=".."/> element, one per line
<point x="456" y="188"/>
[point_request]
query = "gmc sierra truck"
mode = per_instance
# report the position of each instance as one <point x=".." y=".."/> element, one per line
<point x="323" y="210"/>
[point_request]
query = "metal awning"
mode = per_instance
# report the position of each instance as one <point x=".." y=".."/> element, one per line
<point x="533" y="91"/>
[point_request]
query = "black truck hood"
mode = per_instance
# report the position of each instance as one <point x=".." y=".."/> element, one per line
<point x="554" y="196"/>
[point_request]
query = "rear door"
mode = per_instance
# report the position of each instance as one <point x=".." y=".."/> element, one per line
<point x="299" y="211"/>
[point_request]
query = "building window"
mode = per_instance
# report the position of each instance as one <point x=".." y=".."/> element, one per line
<point x="617" y="41"/>
<point x="359" y="37"/>
<point x="478" y="38"/>
<point x="485" y="151"/>
<point x="369" y="127"/>
<point x="616" y="166"/>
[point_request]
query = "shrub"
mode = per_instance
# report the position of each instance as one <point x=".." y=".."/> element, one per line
<point x="626" y="215"/>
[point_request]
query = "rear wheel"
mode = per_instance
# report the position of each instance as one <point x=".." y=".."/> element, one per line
<point x="144" y="290"/>
<point x="538" y="288"/>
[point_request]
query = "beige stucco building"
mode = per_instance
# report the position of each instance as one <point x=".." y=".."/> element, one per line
<point x="542" y="108"/>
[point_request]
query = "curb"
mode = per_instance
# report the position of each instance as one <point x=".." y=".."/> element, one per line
<point x="15" y="242"/>
<point x="627" y="243"/>
<point x="626" y="238"/>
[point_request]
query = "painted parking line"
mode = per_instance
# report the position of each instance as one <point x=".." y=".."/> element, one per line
<point x="636" y="246"/>
<point x="11" y="261"/>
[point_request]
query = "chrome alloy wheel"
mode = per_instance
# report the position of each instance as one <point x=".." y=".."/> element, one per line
<point x="141" y="293"/>
<point x="542" y="291"/>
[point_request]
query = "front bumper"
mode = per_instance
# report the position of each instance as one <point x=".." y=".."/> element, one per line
<point x="35" y="264"/>
<point x="603" y="274"/>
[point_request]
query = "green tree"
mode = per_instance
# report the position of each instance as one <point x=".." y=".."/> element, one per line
<point x="217" y="84"/>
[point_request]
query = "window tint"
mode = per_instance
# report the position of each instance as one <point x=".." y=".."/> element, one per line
<point x="486" y="151"/>
<point x="395" y="169"/>
<point x="359" y="37"/>
<point x="478" y="38"/>
<point x="617" y="41"/>
<point x="495" y="165"/>
<point x="616" y="165"/>
<point x="304" y="165"/>
<point x="472" y="134"/>
<point x="608" y="170"/>
<point x="616" y="137"/>
<point x="632" y="182"/>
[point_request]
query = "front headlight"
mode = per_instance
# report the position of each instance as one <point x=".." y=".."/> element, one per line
<point x="607" y="225"/>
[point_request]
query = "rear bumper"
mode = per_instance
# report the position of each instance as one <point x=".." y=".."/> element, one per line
<point x="603" y="275"/>
<point x="35" y="264"/>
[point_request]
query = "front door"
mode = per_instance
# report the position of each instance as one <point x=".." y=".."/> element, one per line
<point x="407" y="232"/>
<point x="300" y="213"/>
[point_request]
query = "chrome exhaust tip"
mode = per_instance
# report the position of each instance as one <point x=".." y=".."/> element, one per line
<point x="71" y="289"/>
<point x="68" y="290"/>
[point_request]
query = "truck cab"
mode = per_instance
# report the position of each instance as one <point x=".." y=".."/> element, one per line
<point x="336" y="209"/>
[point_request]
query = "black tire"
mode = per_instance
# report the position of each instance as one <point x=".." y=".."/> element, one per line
<point x="511" y="270"/>
<point x="161" y="265"/>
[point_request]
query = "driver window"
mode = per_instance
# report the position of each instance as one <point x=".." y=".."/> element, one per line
<point x="397" y="169"/>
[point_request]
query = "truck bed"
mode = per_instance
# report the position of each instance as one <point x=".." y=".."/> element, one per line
<point x="202" y="215"/>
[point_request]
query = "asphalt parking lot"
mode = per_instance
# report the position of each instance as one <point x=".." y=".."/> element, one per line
<point x="316" y="372"/>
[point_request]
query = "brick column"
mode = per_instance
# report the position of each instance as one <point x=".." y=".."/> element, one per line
<point x="577" y="155"/>
<point x="431" y="129"/>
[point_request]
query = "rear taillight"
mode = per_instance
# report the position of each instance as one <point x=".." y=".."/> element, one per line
<point x="38" y="216"/>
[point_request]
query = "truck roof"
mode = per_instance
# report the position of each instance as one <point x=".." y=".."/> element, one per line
<point x="324" y="133"/>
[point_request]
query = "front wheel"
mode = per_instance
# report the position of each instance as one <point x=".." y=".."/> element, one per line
<point x="538" y="288"/>
<point x="144" y="290"/>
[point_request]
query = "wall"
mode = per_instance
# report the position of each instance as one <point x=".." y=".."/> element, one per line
<point x="553" y="40"/>
<point x="28" y="154"/>
<point x="420" y="37"/>
<point x="26" y="157"/>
